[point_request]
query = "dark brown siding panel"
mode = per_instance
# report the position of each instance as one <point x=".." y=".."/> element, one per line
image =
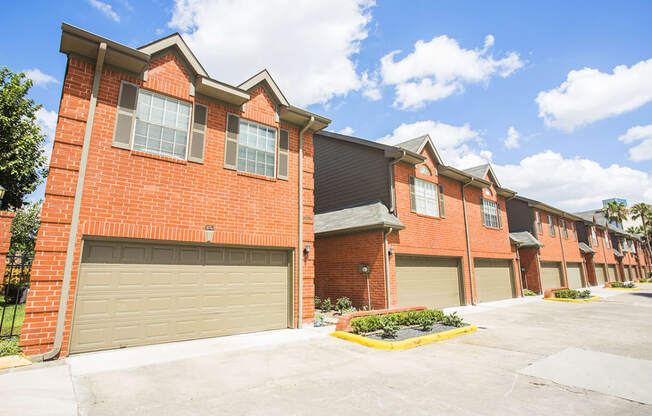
<point x="348" y="174"/>
<point x="519" y="216"/>
<point x="582" y="233"/>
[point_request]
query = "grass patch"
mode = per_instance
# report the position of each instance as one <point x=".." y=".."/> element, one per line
<point x="9" y="311"/>
<point x="9" y="346"/>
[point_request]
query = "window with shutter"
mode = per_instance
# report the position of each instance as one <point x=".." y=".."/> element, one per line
<point x="538" y="222"/>
<point x="425" y="198"/>
<point x="257" y="148"/>
<point x="413" y="203"/>
<point x="490" y="213"/>
<point x="442" y="211"/>
<point x="283" y="154"/>
<point x="198" y="136"/>
<point x="231" y="142"/>
<point x="125" y="115"/>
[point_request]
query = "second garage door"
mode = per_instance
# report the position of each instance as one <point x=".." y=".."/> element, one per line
<point x="574" y="275"/>
<point x="613" y="275"/>
<point x="600" y="274"/>
<point x="136" y="294"/>
<point x="493" y="279"/>
<point x="551" y="275"/>
<point x="630" y="273"/>
<point x="428" y="281"/>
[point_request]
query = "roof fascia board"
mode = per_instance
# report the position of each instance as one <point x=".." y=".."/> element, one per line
<point x="264" y="76"/>
<point x="365" y="228"/>
<point x="176" y="41"/>
<point x="220" y="91"/>
<point x="92" y="37"/>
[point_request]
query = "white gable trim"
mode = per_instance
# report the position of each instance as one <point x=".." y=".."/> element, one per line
<point x="175" y="41"/>
<point x="264" y="76"/>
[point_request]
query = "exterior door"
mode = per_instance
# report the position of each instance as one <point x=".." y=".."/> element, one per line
<point x="136" y="293"/>
<point x="428" y="281"/>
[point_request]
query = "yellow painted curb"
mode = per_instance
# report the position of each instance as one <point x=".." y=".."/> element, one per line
<point x="623" y="288"/>
<point x="574" y="300"/>
<point x="12" y="361"/>
<point x="406" y="343"/>
<point x="644" y="283"/>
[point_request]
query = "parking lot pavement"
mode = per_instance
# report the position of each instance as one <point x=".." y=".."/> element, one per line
<point x="308" y="372"/>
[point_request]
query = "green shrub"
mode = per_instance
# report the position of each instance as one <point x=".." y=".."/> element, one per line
<point x="343" y="304"/>
<point x="317" y="302"/>
<point x="645" y="280"/>
<point x="326" y="305"/>
<point x="9" y="346"/>
<point x="453" y="320"/>
<point x="364" y="324"/>
<point x="425" y="322"/>
<point x="372" y="323"/>
<point x="629" y="285"/>
<point x="566" y="294"/>
<point x="319" y="319"/>
<point x="388" y="326"/>
<point x="434" y="314"/>
<point x="585" y="294"/>
<point x="528" y="292"/>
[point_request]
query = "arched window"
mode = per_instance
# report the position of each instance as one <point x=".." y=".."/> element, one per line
<point x="425" y="170"/>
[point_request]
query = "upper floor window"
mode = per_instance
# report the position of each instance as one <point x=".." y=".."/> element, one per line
<point x="425" y="198"/>
<point x="606" y="240"/>
<point x="256" y="148"/>
<point x="425" y="170"/>
<point x="490" y="213"/>
<point x="162" y="125"/>
<point x="538" y="221"/>
<point x="564" y="229"/>
<point x="574" y="231"/>
<point x="594" y="237"/>
<point x="551" y="224"/>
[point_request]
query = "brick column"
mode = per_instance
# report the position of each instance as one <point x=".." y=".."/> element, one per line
<point x="6" y="218"/>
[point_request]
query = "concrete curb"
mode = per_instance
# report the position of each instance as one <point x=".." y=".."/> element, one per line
<point x="407" y="343"/>
<point x="623" y="288"/>
<point x="13" y="361"/>
<point x="574" y="300"/>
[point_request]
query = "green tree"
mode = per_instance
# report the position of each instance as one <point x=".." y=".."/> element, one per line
<point x="637" y="229"/>
<point x="22" y="158"/>
<point x="644" y="212"/>
<point x="24" y="229"/>
<point x="615" y="212"/>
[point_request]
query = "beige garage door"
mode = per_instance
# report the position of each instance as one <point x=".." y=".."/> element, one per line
<point x="551" y="275"/>
<point x="493" y="279"/>
<point x="630" y="273"/>
<point x="613" y="275"/>
<point x="136" y="294"/>
<point x="428" y="281"/>
<point x="600" y="274"/>
<point x="574" y="275"/>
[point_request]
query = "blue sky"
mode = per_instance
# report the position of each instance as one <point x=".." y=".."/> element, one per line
<point x="476" y="73"/>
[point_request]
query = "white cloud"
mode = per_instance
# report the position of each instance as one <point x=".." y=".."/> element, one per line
<point x="370" y="87"/>
<point x="439" y="68"/>
<point x="106" y="9"/>
<point x="589" y="95"/>
<point x="574" y="184"/>
<point x="513" y="136"/>
<point x="47" y="120"/>
<point x="307" y="46"/>
<point x="39" y="78"/>
<point x="452" y="142"/>
<point x="643" y="150"/>
<point x="347" y="131"/>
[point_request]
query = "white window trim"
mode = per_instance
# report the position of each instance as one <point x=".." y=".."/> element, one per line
<point x="276" y="139"/>
<point x="133" y="129"/>
<point x="551" y="226"/>
<point x="487" y="215"/>
<point x="539" y="225"/>
<point x="435" y="186"/>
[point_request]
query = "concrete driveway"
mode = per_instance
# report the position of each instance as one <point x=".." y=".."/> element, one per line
<point x="529" y="356"/>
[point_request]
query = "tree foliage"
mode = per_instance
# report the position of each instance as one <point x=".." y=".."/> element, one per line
<point x="22" y="158"/>
<point x="24" y="229"/>
<point x="615" y="211"/>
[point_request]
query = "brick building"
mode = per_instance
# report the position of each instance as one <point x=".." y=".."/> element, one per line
<point x="177" y="206"/>
<point x="430" y="234"/>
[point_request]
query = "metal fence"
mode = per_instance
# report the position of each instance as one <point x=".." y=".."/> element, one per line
<point x="13" y="293"/>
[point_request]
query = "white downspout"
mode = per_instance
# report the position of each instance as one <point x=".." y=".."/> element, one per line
<point x="300" y="238"/>
<point x="74" y="222"/>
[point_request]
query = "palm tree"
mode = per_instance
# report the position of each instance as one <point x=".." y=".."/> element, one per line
<point x="644" y="211"/>
<point x="635" y="230"/>
<point x="615" y="212"/>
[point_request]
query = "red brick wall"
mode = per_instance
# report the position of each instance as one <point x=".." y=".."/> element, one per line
<point x="589" y="267"/>
<point x="138" y="195"/>
<point x="336" y="263"/>
<point x="528" y="259"/>
<point x="6" y="218"/>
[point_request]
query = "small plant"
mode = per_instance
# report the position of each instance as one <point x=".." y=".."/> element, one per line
<point x="343" y="303"/>
<point x="388" y="326"/>
<point x="585" y="294"/>
<point x="434" y="314"/>
<point x="425" y="322"/>
<point x="9" y="346"/>
<point x="453" y="320"/>
<point x="319" y="319"/>
<point x="351" y="309"/>
<point x="645" y="280"/>
<point x="629" y="285"/>
<point x="317" y="302"/>
<point x="326" y="305"/>
<point x="365" y="324"/>
<point x="528" y="292"/>
<point x="566" y="294"/>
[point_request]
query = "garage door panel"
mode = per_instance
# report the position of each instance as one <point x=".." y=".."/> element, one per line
<point x="613" y="274"/>
<point x="600" y="274"/>
<point x="551" y="275"/>
<point x="135" y="304"/>
<point x="574" y="271"/>
<point x="427" y="281"/>
<point x="493" y="279"/>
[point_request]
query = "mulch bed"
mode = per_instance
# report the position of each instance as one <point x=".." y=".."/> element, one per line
<point x="407" y="333"/>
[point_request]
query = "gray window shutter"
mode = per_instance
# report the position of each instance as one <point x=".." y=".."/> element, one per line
<point x="125" y="115"/>
<point x="283" y="154"/>
<point x="231" y="142"/>
<point x="198" y="134"/>
<point x="413" y="199"/>
<point x="482" y="210"/>
<point x="500" y="217"/>
<point x="442" y="211"/>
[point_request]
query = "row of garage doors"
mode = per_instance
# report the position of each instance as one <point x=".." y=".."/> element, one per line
<point x="132" y="293"/>
<point x="437" y="282"/>
<point x="552" y="275"/>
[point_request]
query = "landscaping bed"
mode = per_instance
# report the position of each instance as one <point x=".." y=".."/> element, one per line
<point x="572" y="295"/>
<point x="621" y="286"/>
<point x="410" y="332"/>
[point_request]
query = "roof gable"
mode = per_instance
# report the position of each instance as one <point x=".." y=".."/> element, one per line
<point x="176" y="42"/>
<point x="417" y="145"/>
<point x="265" y="78"/>
<point x="483" y="171"/>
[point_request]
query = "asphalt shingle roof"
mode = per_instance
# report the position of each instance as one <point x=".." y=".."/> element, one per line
<point x="524" y="239"/>
<point x="477" y="171"/>
<point x="586" y="249"/>
<point x="370" y="215"/>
